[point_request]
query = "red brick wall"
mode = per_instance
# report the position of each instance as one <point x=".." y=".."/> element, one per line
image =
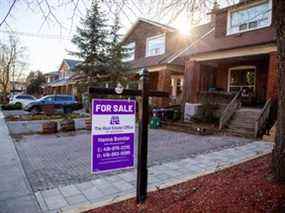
<point x="221" y="24"/>
<point x="272" y="79"/>
<point x="261" y="76"/>
<point x="163" y="84"/>
<point x="191" y="81"/>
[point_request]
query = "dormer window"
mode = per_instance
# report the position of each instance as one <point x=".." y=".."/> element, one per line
<point x="254" y="16"/>
<point x="130" y="52"/>
<point x="155" y="45"/>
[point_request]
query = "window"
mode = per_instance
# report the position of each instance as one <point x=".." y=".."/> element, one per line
<point x="155" y="45"/>
<point x="130" y="52"/>
<point x="26" y="97"/>
<point x="251" y="18"/>
<point x="243" y="77"/>
<point x="64" y="98"/>
<point x="48" y="98"/>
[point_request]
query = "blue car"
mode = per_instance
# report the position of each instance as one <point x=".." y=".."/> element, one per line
<point x="67" y="103"/>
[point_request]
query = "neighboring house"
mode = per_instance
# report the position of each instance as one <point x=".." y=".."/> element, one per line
<point x="17" y="87"/>
<point x="238" y="52"/>
<point x="152" y="45"/>
<point x="51" y="76"/>
<point x="60" y="81"/>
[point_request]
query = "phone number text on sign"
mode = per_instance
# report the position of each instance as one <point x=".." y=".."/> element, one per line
<point x="113" y="130"/>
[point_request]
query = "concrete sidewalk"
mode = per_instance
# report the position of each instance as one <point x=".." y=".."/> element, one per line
<point x="114" y="188"/>
<point x="15" y="192"/>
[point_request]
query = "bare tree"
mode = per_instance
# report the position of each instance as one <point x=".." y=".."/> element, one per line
<point x="10" y="64"/>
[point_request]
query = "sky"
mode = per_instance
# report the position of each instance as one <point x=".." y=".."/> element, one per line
<point x="47" y="43"/>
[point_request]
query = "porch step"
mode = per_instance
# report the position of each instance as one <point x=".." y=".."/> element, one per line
<point x="239" y="133"/>
<point x="243" y="122"/>
<point x="188" y="127"/>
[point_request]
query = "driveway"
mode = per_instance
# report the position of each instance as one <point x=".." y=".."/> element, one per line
<point x="64" y="158"/>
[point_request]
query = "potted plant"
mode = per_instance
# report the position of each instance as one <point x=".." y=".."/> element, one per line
<point x="67" y="124"/>
<point x="49" y="127"/>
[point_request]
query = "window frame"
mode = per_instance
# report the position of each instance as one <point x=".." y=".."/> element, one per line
<point x="148" y="39"/>
<point x="241" y="68"/>
<point x="230" y="12"/>
<point x="134" y="52"/>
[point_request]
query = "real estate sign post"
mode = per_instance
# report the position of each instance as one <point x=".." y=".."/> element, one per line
<point x="113" y="133"/>
<point x="108" y="164"/>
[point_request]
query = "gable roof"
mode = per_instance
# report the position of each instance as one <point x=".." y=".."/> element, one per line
<point x="151" y="22"/>
<point x="71" y="63"/>
<point x="173" y="57"/>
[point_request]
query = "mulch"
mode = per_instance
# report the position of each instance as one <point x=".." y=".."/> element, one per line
<point x="247" y="187"/>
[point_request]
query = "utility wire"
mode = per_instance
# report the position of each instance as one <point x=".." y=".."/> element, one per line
<point x="43" y="36"/>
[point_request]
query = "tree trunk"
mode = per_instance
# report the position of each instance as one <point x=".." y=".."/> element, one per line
<point x="278" y="158"/>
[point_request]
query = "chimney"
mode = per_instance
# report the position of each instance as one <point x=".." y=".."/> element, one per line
<point x="216" y="7"/>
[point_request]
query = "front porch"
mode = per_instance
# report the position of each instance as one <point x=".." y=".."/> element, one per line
<point x="255" y="75"/>
<point x="235" y="86"/>
<point x="167" y="78"/>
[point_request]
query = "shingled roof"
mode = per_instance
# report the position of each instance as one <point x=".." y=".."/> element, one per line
<point x="71" y="63"/>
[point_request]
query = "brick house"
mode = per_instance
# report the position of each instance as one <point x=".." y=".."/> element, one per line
<point x="51" y="76"/>
<point x="238" y="53"/>
<point x="59" y="82"/>
<point x="152" y="45"/>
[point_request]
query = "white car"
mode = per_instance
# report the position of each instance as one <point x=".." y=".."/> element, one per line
<point x="22" y="99"/>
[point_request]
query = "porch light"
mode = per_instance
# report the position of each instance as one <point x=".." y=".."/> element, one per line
<point x="119" y="88"/>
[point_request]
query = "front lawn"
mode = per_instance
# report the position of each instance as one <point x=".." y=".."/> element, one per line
<point x="244" y="188"/>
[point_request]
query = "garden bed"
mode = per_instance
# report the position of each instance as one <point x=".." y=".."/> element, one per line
<point x="243" y="188"/>
<point x="30" y="117"/>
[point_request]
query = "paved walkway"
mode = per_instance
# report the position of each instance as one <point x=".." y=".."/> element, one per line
<point x="106" y="190"/>
<point x="15" y="192"/>
<point x="64" y="158"/>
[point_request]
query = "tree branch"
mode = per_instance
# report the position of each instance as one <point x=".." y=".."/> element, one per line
<point x="8" y="13"/>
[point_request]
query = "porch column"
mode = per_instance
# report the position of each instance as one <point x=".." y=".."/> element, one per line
<point x="164" y="84"/>
<point x="272" y="78"/>
<point x="192" y="81"/>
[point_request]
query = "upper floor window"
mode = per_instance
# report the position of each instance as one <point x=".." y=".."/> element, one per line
<point x="130" y="52"/>
<point x="62" y="75"/>
<point x="155" y="45"/>
<point x="253" y="17"/>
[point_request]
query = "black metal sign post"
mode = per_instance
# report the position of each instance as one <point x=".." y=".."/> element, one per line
<point x="143" y="128"/>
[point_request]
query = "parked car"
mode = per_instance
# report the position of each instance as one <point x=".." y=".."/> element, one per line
<point x="22" y="99"/>
<point x="67" y="103"/>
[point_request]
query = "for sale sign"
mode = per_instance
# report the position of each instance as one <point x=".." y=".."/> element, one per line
<point x="113" y="134"/>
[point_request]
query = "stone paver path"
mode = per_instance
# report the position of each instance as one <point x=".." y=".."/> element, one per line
<point x="105" y="190"/>
<point x="15" y="192"/>
<point x="64" y="158"/>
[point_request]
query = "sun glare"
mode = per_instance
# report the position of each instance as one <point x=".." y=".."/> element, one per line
<point x="183" y="27"/>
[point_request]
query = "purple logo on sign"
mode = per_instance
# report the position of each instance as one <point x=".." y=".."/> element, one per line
<point x="113" y="134"/>
<point x="115" y="120"/>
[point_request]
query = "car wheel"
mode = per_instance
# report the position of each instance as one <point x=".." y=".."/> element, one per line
<point x="35" y="110"/>
<point x="67" y="110"/>
<point x="19" y="104"/>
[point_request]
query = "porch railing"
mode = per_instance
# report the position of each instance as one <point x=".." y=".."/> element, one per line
<point x="230" y="110"/>
<point x="263" y="117"/>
